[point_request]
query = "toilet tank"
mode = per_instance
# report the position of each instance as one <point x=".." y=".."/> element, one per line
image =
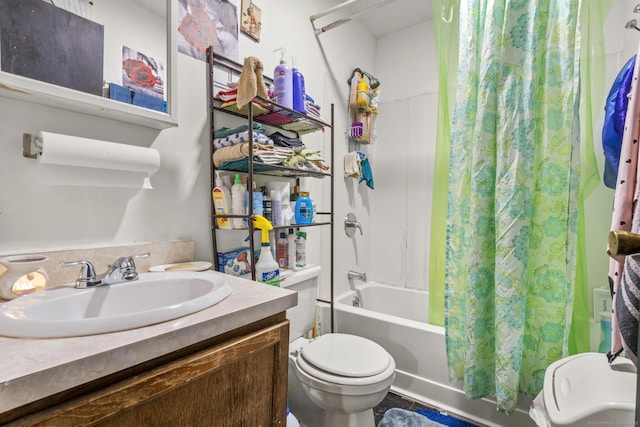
<point x="302" y="316"/>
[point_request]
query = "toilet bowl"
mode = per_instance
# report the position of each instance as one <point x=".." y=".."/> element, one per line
<point x="584" y="389"/>
<point x="345" y="376"/>
<point x="335" y="380"/>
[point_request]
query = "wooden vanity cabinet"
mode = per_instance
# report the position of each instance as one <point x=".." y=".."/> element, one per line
<point x="238" y="379"/>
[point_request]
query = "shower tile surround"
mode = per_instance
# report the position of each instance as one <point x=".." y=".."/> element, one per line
<point x="33" y="369"/>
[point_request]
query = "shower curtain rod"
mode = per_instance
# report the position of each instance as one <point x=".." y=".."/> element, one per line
<point x="345" y="19"/>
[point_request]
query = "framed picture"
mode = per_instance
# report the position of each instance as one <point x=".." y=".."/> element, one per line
<point x="251" y="19"/>
<point x="204" y="23"/>
<point x="142" y="73"/>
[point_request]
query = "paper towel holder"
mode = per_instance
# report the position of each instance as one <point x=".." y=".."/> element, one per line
<point x="31" y="146"/>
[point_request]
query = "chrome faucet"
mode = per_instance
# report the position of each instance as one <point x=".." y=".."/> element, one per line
<point x="122" y="270"/>
<point x="355" y="275"/>
<point x="350" y="224"/>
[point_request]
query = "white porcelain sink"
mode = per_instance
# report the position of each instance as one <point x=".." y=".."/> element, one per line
<point x="153" y="298"/>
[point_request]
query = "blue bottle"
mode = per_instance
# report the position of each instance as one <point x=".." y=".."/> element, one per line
<point x="298" y="89"/>
<point x="304" y="209"/>
<point x="283" y="82"/>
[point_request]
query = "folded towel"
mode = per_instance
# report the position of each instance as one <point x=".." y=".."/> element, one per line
<point x="284" y="141"/>
<point x="222" y="132"/>
<point x="352" y="165"/>
<point x="239" y="138"/>
<point x="228" y="95"/>
<point x="251" y="82"/>
<point x="237" y="151"/>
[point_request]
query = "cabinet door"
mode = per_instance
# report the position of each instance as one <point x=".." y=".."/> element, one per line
<point x="242" y="382"/>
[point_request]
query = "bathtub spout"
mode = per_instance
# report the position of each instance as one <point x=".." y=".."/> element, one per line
<point x="355" y="275"/>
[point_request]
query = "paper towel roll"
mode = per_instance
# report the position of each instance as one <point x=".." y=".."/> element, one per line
<point x="69" y="150"/>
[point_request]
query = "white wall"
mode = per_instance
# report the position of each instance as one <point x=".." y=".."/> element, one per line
<point x="37" y="215"/>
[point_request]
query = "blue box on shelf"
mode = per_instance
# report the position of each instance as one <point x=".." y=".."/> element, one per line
<point x="124" y="94"/>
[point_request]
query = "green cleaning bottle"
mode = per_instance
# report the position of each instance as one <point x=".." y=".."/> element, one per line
<point x="267" y="269"/>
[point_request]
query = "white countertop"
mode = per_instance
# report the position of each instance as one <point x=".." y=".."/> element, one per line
<point x="32" y="369"/>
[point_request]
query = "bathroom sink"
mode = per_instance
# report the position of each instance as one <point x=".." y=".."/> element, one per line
<point x="155" y="297"/>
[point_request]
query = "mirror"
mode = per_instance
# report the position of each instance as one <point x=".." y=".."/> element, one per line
<point x="136" y="34"/>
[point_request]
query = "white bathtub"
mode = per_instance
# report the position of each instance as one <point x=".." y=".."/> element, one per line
<point x="397" y="319"/>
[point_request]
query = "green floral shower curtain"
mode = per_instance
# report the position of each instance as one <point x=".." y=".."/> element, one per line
<point x="514" y="192"/>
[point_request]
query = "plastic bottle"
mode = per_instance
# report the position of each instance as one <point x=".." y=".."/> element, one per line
<point x="353" y="92"/>
<point x="363" y="93"/>
<point x="291" y="240"/>
<point x="267" y="270"/>
<point x="301" y="251"/>
<point x="304" y="209"/>
<point x="221" y="202"/>
<point x="283" y="82"/>
<point x="238" y="192"/>
<point x="276" y="207"/>
<point x="282" y="251"/>
<point x="267" y="205"/>
<point x="298" y="88"/>
<point x="605" y="332"/>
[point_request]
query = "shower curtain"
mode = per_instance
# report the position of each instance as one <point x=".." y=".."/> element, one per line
<point x="514" y="233"/>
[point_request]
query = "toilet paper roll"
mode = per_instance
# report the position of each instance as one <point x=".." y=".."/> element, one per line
<point x="69" y="150"/>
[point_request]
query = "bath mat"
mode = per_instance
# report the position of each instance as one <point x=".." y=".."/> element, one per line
<point x="443" y="419"/>
<point x="396" y="417"/>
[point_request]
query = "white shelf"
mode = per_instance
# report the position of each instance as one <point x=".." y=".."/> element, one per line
<point x="29" y="90"/>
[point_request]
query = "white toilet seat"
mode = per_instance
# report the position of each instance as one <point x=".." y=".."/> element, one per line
<point x="342" y="382"/>
<point x="345" y="355"/>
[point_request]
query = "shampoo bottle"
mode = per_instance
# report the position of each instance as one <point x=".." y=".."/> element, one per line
<point x="283" y="82"/>
<point x="298" y="88"/>
<point x="238" y="202"/>
<point x="221" y="202"/>
<point x="362" y="98"/>
<point x="267" y="270"/>
<point x="304" y="209"/>
<point x="282" y="251"/>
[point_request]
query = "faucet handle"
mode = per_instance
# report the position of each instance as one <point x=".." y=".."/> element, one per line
<point x="350" y="224"/>
<point x="87" y="273"/>
<point x="127" y="266"/>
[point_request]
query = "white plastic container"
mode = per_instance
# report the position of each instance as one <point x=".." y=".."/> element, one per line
<point x="267" y="270"/>
<point x="221" y="202"/>
<point x="238" y="191"/>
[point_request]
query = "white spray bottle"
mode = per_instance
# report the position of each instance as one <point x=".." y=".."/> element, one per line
<point x="267" y="269"/>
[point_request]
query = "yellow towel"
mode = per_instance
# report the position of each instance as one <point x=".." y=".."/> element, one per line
<point x="251" y="82"/>
<point x="352" y="165"/>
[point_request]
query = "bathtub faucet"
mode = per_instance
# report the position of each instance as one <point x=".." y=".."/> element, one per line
<point x="355" y="275"/>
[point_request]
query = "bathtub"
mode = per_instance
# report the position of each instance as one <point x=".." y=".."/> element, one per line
<point x="397" y="319"/>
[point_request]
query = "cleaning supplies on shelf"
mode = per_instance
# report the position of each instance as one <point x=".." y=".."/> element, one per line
<point x="221" y="202"/>
<point x="282" y="251"/>
<point x="267" y="270"/>
<point x="301" y="249"/>
<point x="267" y="205"/>
<point x="283" y="82"/>
<point x="304" y="209"/>
<point x="276" y="207"/>
<point x="238" y="191"/>
<point x="298" y="88"/>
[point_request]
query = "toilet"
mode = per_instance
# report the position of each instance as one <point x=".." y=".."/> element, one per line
<point x="336" y="379"/>
<point x="584" y="389"/>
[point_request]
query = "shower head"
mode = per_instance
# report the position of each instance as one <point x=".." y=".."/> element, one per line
<point x="636" y="9"/>
<point x="632" y="24"/>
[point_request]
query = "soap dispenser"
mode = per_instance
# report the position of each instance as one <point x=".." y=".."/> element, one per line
<point x="283" y="82"/>
<point x="298" y="88"/>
